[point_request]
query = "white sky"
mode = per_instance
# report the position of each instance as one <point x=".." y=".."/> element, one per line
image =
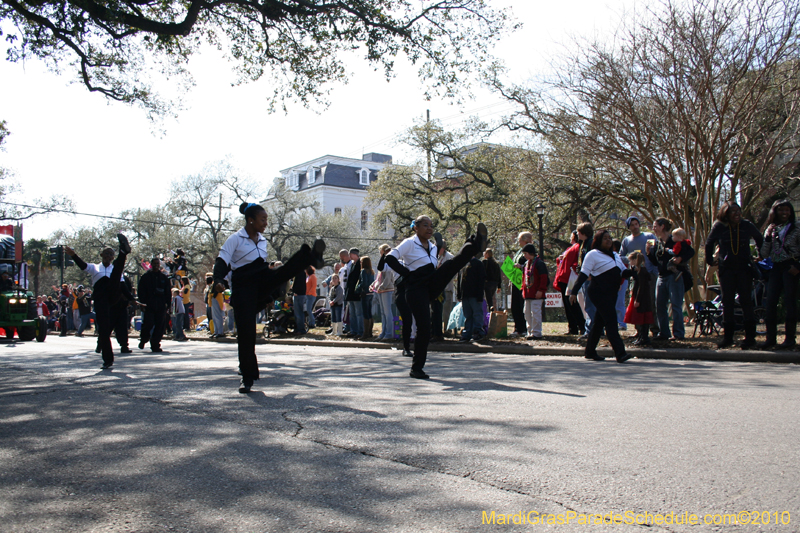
<point x="107" y="157"/>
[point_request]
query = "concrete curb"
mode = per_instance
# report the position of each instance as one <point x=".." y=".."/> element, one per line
<point x="734" y="355"/>
<point x="740" y="356"/>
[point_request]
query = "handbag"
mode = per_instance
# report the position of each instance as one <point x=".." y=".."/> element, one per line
<point x="573" y="277"/>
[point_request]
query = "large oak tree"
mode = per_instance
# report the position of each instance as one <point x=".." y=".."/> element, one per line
<point x="114" y="45"/>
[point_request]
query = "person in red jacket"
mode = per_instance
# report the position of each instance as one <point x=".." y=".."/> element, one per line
<point x="534" y="287"/>
<point x="568" y="270"/>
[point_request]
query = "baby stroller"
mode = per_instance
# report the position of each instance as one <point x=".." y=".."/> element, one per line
<point x="280" y="321"/>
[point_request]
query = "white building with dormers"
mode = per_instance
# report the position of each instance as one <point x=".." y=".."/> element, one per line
<point x="337" y="183"/>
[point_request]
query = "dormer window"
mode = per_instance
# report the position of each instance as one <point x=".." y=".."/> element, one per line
<point x="312" y="174"/>
<point x="363" y="176"/>
<point x="293" y="181"/>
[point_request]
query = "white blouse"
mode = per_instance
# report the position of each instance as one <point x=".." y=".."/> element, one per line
<point x="413" y="254"/>
<point x="240" y="250"/>
<point x="597" y="262"/>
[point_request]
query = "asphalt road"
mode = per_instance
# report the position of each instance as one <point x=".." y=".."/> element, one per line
<point x="340" y="439"/>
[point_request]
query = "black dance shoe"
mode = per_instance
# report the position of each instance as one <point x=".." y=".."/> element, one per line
<point x="418" y="374"/>
<point x="407" y="353"/>
<point x="124" y="245"/>
<point x="317" y="251"/>
<point x="481" y="237"/>
<point x="245" y="385"/>
<point x="623" y="357"/>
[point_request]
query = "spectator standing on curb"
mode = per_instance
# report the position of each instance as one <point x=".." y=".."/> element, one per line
<point x="639" y="311"/>
<point x="365" y="281"/>
<point x="736" y="269"/>
<point x="470" y="292"/>
<point x="534" y="287"/>
<point x="493" y="278"/>
<point x="517" y="301"/>
<point x="637" y="242"/>
<point x="623" y="291"/>
<point x="351" y="295"/>
<point x="311" y="295"/>
<point x="565" y="276"/>
<point x="782" y="246"/>
<point x="336" y="298"/>
<point x="669" y="291"/>
<point x="384" y="290"/>
<point x="177" y="311"/>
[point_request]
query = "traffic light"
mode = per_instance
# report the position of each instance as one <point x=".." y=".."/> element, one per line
<point x="55" y="256"/>
<point x="68" y="260"/>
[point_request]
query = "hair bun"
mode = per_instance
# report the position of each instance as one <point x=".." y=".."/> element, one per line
<point x="243" y="207"/>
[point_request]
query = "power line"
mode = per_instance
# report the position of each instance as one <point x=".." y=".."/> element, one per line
<point x="95" y="215"/>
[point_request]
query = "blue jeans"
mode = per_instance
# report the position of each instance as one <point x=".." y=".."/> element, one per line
<point x="623" y="290"/>
<point x="670" y="291"/>
<point x="85" y="322"/>
<point x="387" y="315"/>
<point x="310" y="301"/>
<point x="299" y="306"/>
<point x="356" y="318"/>
<point x="336" y="313"/>
<point x="177" y="327"/>
<point x="472" y="308"/>
<point x="366" y="306"/>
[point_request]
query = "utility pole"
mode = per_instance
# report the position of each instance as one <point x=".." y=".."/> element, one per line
<point x="428" y="147"/>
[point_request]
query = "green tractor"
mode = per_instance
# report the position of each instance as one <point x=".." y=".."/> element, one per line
<point x="18" y="306"/>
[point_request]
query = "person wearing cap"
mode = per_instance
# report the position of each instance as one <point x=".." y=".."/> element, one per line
<point x="351" y="295"/>
<point x="105" y="281"/>
<point x="423" y="281"/>
<point x="534" y="289"/>
<point x="637" y="242"/>
<point x="253" y="282"/>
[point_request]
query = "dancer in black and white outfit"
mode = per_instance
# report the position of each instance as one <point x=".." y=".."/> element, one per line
<point x="106" y="277"/>
<point x="606" y="268"/>
<point x="423" y="281"/>
<point x="253" y="282"/>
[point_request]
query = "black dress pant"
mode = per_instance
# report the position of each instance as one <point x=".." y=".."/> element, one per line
<point x="424" y="285"/>
<point x="120" y="322"/>
<point x="405" y="315"/>
<point x="605" y="318"/>
<point x="106" y="294"/>
<point x="518" y="310"/>
<point x="733" y="281"/>
<point x="154" y="321"/>
<point x="490" y="294"/>
<point x="251" y="289"/>
<point x="782" y="283"/>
